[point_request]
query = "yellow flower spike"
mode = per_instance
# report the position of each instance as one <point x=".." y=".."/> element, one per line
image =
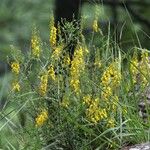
<point x="106" y="93"/>
<point x="111" y="123"/>
<point x="104" y="113"/>
<point x="57" y="51"/>
<point x="124" y="110"/>
<point x="133" y="67"/>
<point x="94" y="113"/>
<point x="53" y="36"/>
<point x="51" y="72"/>
<point x="87" y="100"/>
<point x="15" y="67"/>
<point x="112" y="76"/>
<point x="144" y="68"/>
<point x="95" y="26"/>
<point x="53" y="33"/>
<point x="35" y="44"/>
<point x="16" y="86"/>
<point x="41" y="118"/>
<point x="145" y="56"/>
<point x="43" y="85"/>
<point x="77" y="66"/>
<point x="75" y="84"/>
<point x="67" y="60"/>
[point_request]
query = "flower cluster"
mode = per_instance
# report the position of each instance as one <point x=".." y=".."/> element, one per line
<point x="87" y="99"/>
<point x="112" y="76"/>
<point x="15" y="67"/>
<point x="41" y="118"/>
<point x="106" y="93"/>
<point x="77" y="65"/>
<point x="95" y="26"/>
<point x="57" y="52"/>
<point x="94" y="113"/>
<point x="65" y="102"/>
<point x="53" y="33"/>
<point x="144" y="66"/>
<point x="134" y="67"/>
<point x="110" y="80"/>
<point x="66" y="60"/>
<point x="16" y="86"/>
<point x="95" y="22"/>
<point x="35" y="44"/>
<point x="43" y="84"/>
<point x="51" y="72"/>
<point x="111" y="123"/>
<point x="140" y="69"/>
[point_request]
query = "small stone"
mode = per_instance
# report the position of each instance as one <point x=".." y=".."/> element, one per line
<point x="141" y="105"/>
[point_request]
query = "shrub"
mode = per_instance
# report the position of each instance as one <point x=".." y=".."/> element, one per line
<point x="85" y="102"/>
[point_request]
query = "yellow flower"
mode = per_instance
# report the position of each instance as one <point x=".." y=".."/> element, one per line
<point x="51" y="72"/>
<point x="41" y="118"/>
<point x="53" y="36"/>
<point x="95" y="26"/>
<point x="35" y="44"/>
<point x="57" y="51"/>
<point x="87" y="100"/>
<point x="144" y="68"/>
<point x="114" y="104"/>
<point x="140" y="69"/>
<point x="94" y="113"/>
<point x="124" y="110"/>
<point x="53" y="33"/>
<point x="110" y="81"/>
<point x="15" y="67"/>
<point x="75" y="83"/>
<point x="65" y="102"/>
<point x="16" y="86"/>
<point x="97" y="64"/>
<point x="112" y="76"/>
<point x="67" y="60"/>
<point x="77" y="66"/>
<point x="111" y="123"/>
<point x="145" y="56"/>
<point x="133" y="67"/>
<point x="43" y="84"/>
<point x="106" y="93"/>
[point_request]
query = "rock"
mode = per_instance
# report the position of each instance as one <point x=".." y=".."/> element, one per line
<point x="143" y="146"/>
<point x="144" y="104"/>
